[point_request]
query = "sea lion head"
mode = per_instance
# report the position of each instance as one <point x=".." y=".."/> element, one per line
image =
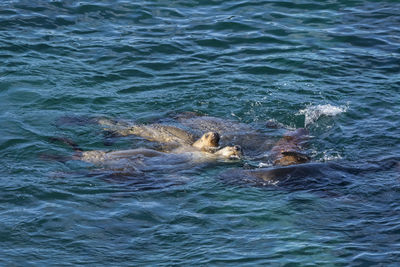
<point x="207" y="141"/>
<point x="230" y="152"/>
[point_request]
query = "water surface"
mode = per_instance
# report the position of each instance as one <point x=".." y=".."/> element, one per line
<point x="332" y="66"/>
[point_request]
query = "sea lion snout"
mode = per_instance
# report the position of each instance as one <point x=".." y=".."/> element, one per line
<point x="230" y="152"/>
<point x="239" y="150"/>
<point x="212" y="136"/>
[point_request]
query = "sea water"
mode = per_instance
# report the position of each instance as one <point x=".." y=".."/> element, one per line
<point x="330" y="66"/>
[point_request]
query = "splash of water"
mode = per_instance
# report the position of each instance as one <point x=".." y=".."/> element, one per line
<point x="313" y="113"/>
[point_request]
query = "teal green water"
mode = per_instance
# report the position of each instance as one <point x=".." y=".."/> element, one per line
<point x="332" y="66"/>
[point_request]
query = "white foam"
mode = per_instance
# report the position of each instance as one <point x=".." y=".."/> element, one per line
<point x="313" y="113"/>
<point x="263" y="165"/>
<point x="330" y="156"/>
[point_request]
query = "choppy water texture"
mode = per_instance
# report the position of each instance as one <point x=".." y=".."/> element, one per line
<point x="330" y="65"/>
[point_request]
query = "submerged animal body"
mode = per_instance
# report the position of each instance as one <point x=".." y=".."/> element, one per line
<point x="321" y="178"/>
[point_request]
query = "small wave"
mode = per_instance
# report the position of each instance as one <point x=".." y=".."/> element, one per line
<point x="313" y="113"/>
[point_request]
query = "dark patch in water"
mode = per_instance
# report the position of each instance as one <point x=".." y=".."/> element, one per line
<point x="310" y="177"/>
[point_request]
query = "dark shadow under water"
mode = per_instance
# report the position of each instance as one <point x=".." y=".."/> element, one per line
<point x="326" y="177"/>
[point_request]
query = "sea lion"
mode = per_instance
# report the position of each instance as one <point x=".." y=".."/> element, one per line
<point x="99" y="157"/>
<point x="313" y="177"/>
<point x="287" y="151"/>
<point x="143" y="162"/>
<point x="134" y="161"/>
<point x="165" y="134"/>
